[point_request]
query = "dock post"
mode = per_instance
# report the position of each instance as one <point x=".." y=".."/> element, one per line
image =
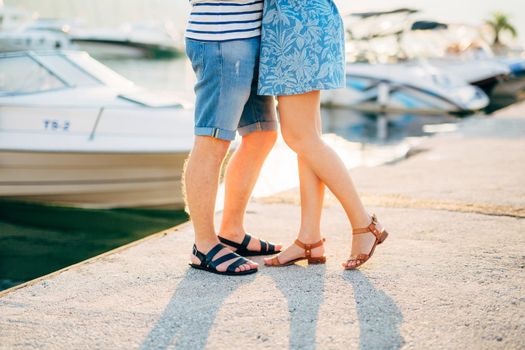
<point x="383" y="98"/>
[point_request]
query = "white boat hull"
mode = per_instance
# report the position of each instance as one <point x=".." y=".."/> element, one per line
<point x="124" y="47"/>
<point x="93" y="180"/>
<point x="405" y="88"/>
<point x="420" y="103"/>
<point x="88" y="157"/>
<point x="102" y="49"/>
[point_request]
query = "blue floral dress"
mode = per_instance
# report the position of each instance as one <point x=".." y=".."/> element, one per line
<point x="302" y="47"/>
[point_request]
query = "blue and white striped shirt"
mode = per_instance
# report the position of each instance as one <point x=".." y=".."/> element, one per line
<point x="225" y="20"/>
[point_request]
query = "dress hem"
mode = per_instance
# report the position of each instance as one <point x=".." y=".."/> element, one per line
<point x="303" y="91"/>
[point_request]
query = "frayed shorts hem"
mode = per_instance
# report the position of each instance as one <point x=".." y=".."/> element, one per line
<point x="258" y="126"/>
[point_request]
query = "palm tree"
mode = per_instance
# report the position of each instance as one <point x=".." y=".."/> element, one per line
<point x="500" y="23"/>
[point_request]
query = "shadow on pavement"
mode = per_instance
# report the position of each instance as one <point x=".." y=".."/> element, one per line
<point x="188" y="318"/>
<point x="379" y="317"/>
<point x="304" y="293"/>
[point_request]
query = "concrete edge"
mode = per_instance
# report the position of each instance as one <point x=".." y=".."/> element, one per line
<point x="94" y="258"/>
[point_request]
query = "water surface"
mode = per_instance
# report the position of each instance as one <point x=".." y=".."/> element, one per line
<point x="37" y="239"/>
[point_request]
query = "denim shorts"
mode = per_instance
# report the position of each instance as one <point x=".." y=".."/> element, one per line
<point x="226" y="89"/>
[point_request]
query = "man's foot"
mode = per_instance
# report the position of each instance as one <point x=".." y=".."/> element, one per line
<point x="246" y="245"/>
<point x="223" y="267"/>
<point x="295" y="252"/>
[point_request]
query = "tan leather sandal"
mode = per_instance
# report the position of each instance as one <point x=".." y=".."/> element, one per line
<point x="378" y="231"/>
<point x="307" y="255"/>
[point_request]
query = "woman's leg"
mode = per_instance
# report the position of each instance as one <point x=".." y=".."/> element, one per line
<point x="298" y="114"/>
<point x="312" y="194"/>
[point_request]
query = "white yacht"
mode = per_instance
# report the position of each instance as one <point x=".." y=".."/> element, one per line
<point x="457" y="48"/>
<point x="18" y="32"/>
<point x="405" y="87"/>
<point x="29" y="39"/>
<point x="73" y="132"/>
<point x="139" y="39"/>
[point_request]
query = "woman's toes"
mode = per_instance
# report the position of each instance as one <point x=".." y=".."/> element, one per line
<point x="350" y="264"/>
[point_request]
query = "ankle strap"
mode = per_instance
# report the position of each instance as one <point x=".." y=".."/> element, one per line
<point x="308" y="247"/>
<point x="370" y="228"/>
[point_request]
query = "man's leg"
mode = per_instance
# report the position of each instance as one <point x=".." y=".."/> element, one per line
<point x="258" y="126"/>
<point x="241" y="176"/>
<point x="201" y="182"/>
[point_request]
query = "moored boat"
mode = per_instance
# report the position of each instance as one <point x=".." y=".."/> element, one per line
<point x="29" y="39"/>
<point x="141" y="39"/>
<point x="405" y="87"/>
<point x="73" y="132"/>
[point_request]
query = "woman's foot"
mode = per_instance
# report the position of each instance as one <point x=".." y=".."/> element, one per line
<point x="364" y="242"/>
<point x="205" y="248"/>
<point x="295" y="252"/>
<point x="361" y="244"/>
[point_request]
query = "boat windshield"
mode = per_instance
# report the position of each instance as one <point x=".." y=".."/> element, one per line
<point x="68" y="71"/>
<point x="100" y="71"/>
<point x="23" y="75"/>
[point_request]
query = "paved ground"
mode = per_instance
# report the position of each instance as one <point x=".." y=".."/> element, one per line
<point x="452" y="275"/>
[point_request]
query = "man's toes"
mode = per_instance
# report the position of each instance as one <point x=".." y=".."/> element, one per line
<point x="247" y="267"/>
<point x="251" y="263"/>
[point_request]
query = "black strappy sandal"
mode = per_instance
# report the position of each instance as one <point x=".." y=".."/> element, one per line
<point x="210" y="265"/>
<point x="267" y="248"/>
